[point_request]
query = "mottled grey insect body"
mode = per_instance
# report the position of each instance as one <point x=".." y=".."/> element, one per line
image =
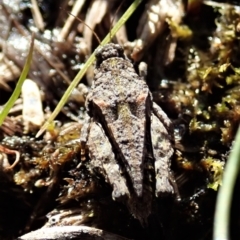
<point x="122" y="120"/>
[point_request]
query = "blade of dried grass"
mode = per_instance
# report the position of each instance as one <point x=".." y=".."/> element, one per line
<point x="18" y="87"/>
<point x="67" y="26"/>
<point x="37" y="16"/>
<point x="224" y="198"/>
<point x="89" y="62"/>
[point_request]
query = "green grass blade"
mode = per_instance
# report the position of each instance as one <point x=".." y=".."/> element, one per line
<point x="18" y="87"/>
<point x="224" y="198"/>
<point x="89" y="62"/>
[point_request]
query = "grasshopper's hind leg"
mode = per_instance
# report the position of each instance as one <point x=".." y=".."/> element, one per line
<point x="103" y="160"/>
<point x="162" y="150"/>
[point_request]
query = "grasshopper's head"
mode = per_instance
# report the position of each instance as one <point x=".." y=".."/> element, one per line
<point x="109" y="50"/>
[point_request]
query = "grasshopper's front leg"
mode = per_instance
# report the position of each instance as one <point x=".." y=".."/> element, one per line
<point x="84" y="136"/>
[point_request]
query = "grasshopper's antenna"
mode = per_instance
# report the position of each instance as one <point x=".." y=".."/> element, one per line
<point x="112" y="20"/>
<point x="75" y="11"/>
<point x="80" y="20"/>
